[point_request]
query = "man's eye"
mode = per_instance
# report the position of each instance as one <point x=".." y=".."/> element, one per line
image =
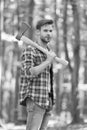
<point x="45" y="30"/>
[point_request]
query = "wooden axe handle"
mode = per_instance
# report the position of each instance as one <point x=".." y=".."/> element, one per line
<point x="34" y="44"/>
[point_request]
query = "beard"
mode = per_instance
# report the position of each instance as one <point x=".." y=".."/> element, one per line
<point x="46" y="39"/>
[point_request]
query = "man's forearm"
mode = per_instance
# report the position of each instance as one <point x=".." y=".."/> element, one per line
<point x="38" y="69"/>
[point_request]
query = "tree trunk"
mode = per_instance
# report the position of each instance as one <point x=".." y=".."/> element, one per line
<point x="57" y="75"/>
<point x="2" y="53"/>
<point x="75" y="73"/>
<point x="65" y="33"/>
<point x="30" y="18"/>
<point x="85" y="67"/>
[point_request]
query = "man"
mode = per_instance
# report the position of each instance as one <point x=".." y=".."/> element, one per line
<point x="35" y="90"/>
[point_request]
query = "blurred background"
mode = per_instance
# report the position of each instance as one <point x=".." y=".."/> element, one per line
<point x="69" y="42"/>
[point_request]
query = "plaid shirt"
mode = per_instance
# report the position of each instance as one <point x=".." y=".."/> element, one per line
<point x="35" y="87"/>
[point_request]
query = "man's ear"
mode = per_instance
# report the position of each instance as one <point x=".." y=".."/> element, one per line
<point x="38" y="32"/>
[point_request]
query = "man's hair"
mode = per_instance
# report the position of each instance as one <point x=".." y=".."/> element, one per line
<point x="42" y="22"/>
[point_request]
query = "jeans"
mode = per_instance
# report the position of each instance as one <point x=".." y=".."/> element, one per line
<point x="37" y="118"/>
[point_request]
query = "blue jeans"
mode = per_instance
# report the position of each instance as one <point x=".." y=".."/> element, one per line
<point x="37" y="118"/>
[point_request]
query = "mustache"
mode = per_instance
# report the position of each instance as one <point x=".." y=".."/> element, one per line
<point x="48" y="36"/>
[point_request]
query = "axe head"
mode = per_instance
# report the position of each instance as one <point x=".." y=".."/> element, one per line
<point x="22" y="30"/>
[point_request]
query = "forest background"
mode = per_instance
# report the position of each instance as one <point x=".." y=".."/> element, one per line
<point x="70" y="43"/>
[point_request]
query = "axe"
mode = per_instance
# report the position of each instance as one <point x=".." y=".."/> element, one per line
<point x="20" y="36"/>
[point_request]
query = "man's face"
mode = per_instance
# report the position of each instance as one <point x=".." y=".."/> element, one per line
<point x="46" y="33"/>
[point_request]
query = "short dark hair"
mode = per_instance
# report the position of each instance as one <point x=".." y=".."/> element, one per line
<point x="42" y="22"/>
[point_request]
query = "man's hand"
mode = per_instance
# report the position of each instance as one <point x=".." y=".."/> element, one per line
<point x="51" y="56"/>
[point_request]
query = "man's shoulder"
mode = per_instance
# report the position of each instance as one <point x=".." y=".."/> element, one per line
<point x="28" y="49"/>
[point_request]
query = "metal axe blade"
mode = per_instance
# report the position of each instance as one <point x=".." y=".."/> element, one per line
<point x="23" y="29"/>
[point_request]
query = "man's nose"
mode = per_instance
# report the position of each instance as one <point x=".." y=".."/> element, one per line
<point x="49" y="33"/>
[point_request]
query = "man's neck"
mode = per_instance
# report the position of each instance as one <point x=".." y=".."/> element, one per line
<point x="41" y="43"/>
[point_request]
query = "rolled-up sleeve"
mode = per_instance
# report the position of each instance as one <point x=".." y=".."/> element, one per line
<point x="27" y="61"/>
